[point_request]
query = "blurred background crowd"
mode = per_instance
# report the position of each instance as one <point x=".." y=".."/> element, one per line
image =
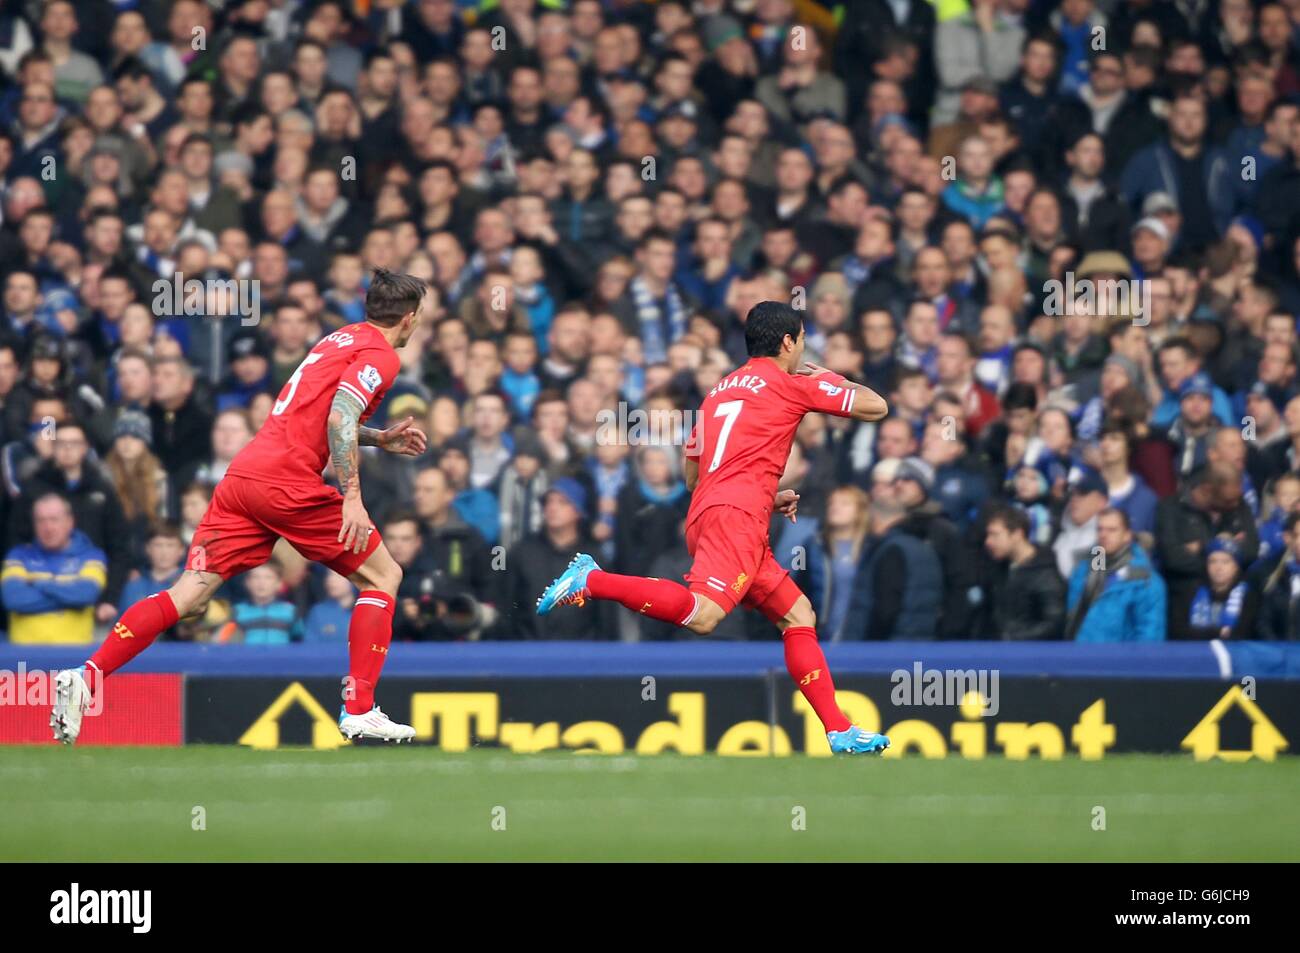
<point x="598" y="191"/>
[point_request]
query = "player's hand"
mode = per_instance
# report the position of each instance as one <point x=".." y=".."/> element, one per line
<point x="355" y="532"/>
<point x="787" y="503"/>
<point x="404" y="438"/>
<point x="810" y="369"/>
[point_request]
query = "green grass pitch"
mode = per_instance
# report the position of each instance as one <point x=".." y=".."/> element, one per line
<point x="420" y="804"/>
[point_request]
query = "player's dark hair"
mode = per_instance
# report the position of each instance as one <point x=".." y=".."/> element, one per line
<point x="392" y="297"/>
<point x="767" y="326"/>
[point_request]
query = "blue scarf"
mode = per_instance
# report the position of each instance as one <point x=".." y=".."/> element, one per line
<point x="658" y="497"/>
<point x="1210" y="613"/>
<point x="855" y="271"/>
<point x="658" y="329"/>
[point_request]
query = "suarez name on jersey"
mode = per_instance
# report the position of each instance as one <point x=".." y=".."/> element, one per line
<point x="744" y="430"/>
<point x="293" y="445"/>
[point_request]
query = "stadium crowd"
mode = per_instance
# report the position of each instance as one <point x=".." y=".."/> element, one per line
<point x="597" y="192"/>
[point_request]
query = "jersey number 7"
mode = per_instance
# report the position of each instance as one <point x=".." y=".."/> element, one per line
<point x="730" y="410"/>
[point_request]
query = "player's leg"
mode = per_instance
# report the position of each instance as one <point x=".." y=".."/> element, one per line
<point x="145" y="620"/>
<point x="661" y="599"/>
<point x="720" y="552"/>
<point x="314" y="532"/>
<point x="136" y="630"/>
<point x="227" y="541"/>
<point x="583" y="579"/>
<point x="707" y="614"/>
<point x="371" y="630"/>
<point x="791" y="612"/>
<point x="728" y="548"/>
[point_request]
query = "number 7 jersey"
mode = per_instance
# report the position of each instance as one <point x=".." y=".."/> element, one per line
<point x="744" y="430"/>
<point x="293" y="445"/>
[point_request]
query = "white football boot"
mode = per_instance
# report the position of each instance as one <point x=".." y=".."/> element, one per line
<point x="71" y="699"/>
<point x="373" y="724"/>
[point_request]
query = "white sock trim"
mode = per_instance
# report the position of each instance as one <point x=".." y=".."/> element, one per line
<point x="695" y="608"/>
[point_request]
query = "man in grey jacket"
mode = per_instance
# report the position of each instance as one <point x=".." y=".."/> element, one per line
<point x="984" y="41"/>
<point x="801" y="92"/>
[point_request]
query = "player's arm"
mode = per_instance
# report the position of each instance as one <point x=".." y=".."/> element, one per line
<point x="404" y="438"/>
<point x="365" y="381"/>
<point x="691" y="471"/>
<point x="841" y="396"/>
<point x="343" y="429"/>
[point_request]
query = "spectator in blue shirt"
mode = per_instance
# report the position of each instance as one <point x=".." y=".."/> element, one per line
<point x="327" y="620"/>
<point x="266" y="619"/>
<point x="1116" y="595"/>
<point x="711" y="270"/>
<point x="50" y="586"/>
<point x="1127" y="491"/>
<point x="519" y="378"/>
<point x="166" y="553"/>
<point x="1179" y="363"/>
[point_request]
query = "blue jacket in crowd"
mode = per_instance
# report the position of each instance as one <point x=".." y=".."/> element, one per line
<point x="919" y="571"/>
<point x="1154" y="169"/>
<point x="1130" y="606"/>
<point x="51" y="595"/>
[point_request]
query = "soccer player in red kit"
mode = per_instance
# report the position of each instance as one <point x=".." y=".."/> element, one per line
<point x="734" y="461"/>
<point x="273" y="489"/>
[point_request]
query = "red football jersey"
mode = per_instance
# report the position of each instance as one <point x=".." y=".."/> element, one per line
<point x="293" y="446"/>
<point x="745" y="428"/>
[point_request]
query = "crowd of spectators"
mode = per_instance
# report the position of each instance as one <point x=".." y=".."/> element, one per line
<point x="597" y="192"/>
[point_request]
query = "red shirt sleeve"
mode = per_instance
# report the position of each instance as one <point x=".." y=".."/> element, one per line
<point x="826" y="394"/>
<point x="368" y="378"/>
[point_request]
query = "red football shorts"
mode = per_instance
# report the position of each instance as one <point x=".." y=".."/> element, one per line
<point x="733" y="562"/>
<point x="246" y="517"/>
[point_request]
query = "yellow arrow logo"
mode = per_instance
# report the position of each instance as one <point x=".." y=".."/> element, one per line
<point x="1265" y="740"/>
<point x="265" y="732"/>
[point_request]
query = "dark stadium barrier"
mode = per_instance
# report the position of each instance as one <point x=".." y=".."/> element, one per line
<point x="762" y="715"/>
<point x="969" y="700"/>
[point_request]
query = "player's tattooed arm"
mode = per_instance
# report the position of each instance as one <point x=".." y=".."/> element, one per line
<point x="344" y="430"/>
<point x="343" y="426"/>
<point x="403" y="437"/>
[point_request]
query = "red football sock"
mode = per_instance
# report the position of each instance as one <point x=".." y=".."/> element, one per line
<point x="134" y="633"/>
<point x="807" y="666"/>
<point x="660" y="599"/>
<point x="369" y="634"/>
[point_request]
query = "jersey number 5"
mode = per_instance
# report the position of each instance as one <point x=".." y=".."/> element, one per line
<point x="729" y="410"/>
<point x="283" y="404"/>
